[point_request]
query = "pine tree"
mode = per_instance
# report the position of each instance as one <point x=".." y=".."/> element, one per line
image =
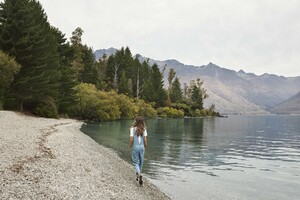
<point x="77" y="63"/>
<point x="123" y="85"/>
<point x="26" y="35"/>
<point x="153" y="88"/>
<point x="171" y="76"/>
<point x="140" y="75"/>
<point x="196" y="98"/>
<point x="128" y="63"/>
<point x="197" y="93"/>
<point x="160" y="95"/>
<point x="148" y="91"/>
<point x="115" y="65"/>
<point x="68" y="79"/>
<point x="121" y="61"/>
<point x="176" y="91"/>
<point x="89" y="71"/>
<point x="101" y="67"/>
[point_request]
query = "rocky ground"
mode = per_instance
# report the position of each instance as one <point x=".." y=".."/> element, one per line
<point x="51" y="159"/>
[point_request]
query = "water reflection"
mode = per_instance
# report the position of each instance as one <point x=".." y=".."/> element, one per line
<point x="174" y="145"/>
<point x="245" y="157"/>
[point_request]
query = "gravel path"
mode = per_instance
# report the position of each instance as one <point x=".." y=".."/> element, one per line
<point x="51" y="159"/>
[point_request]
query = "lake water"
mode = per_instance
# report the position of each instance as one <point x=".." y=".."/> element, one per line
<point x="239" y="157"/>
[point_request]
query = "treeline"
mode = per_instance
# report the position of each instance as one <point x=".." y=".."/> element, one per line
<point x="44" y="73"/>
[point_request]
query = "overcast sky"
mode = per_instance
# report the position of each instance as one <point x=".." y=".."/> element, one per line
<point x="259" y="36"/>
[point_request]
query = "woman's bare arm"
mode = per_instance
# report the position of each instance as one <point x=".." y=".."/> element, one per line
<point x="130" y="142"/>
<point x="145" y="141"/>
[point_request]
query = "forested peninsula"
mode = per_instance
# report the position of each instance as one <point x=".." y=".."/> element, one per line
<point x="44" y="73"/>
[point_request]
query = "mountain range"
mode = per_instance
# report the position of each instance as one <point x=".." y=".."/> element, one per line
<point x="289" y="106"/>
<point x="234" y="92"/>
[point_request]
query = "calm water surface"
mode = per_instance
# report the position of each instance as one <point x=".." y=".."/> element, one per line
<point x="239" y="157"/>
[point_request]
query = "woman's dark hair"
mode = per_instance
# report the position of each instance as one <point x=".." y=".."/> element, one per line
<point x="140" y="125"/>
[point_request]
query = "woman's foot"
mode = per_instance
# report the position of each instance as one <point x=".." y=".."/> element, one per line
<point x="141" y="180"/>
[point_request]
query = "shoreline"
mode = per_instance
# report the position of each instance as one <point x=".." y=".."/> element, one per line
<point x="52" y="159"/>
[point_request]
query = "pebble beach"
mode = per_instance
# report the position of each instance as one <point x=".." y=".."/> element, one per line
<point x="52" y="159"/>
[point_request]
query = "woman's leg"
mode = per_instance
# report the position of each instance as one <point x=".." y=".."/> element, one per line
<point x="141" y="159"/>
<point x="141" y="162"/>
<point x="136" y="161"/>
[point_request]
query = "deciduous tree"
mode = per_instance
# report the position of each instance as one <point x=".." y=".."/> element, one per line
<point x="8" y="68"/>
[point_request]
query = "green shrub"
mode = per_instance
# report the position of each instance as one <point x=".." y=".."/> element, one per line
<point x="146" y="110"/>
<point x="104" y="106"/>
<point x="107" y="107"/>
<point x="203" y="113"/>
<point x="46" y="108"/>
<point x="216" y="114"/>
<point x="197" y="113"/>
<point x="96" y="105"/>
<point x="170" y="112"/>
<point x="209" y="113"/>
<point x="87" y="101"/>
<point x="128" y="108"/>
<point x="182" y="106"/>
<point x="8" y="68"/>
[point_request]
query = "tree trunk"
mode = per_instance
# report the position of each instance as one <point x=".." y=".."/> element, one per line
<point x="21" y="106"/>
<point x="138" y="85"/>
<point x="115" y="83"/>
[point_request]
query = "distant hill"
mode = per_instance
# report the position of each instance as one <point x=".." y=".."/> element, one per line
<point x="289" y="106"/>
<point x="100" y="52"/>
<point x="233" y="92"/>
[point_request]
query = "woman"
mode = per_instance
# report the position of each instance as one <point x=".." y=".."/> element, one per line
<point x="138" y="142"/>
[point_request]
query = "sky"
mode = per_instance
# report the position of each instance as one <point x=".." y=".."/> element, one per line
<point x="258" y="36"/>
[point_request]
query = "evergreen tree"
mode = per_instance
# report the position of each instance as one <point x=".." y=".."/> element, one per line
<point x="109" y="72"/>
<point x="26" y="35"/>
<point x="101" y="67"/>
<point x="140" y="74"/>
<point x="130" y="86"/>
<point x="196" y="98"/>
<point x="89" y="72"/>
<point x="76" y="42"/>
<point x="171" y="76"/>
<point x="197" y="93"/>
<point x="115" y="66"/>
<point x="147" y="92"/>
<point x="123" y="85"/>
<point x="68" y="79"/>
<point x="176" y="91"/>
<point x="160" y="95"/>
<point x="84" y="63"/>
<point x="199" y="84"/>
<point x="185" y="90"/>
<point x="129" y="66"/>
<point x="153" y="89"/>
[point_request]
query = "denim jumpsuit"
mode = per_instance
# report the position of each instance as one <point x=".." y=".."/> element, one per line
<point x="138" y="151"/>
